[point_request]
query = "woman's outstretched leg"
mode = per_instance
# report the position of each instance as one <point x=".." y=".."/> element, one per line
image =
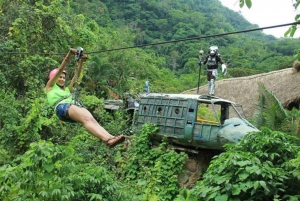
<point x="84" y="117"/>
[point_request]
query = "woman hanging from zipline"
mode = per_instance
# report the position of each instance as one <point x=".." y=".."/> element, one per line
<point x="67" y="109"/>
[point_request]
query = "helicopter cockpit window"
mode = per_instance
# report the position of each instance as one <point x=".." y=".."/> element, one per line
<point x="206" y="113"/>
<point x="217" y="112"/>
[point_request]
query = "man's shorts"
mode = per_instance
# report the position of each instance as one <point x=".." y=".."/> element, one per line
<point x="62" y="111"/>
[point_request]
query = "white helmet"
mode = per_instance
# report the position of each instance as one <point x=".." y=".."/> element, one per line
<point x="213" y="50"/>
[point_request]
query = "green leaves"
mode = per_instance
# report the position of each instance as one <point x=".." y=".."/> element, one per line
<point x="155" y="167"/>
<point x="253" y="169"/>
<point x="49" y="167"/>
<point x="248" y="3"/>
<point x="269" y="111"/>
<point x="48" y="172"/>
<point x="291" y="31"/>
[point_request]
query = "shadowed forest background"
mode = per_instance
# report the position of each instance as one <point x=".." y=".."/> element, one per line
<point x="42" y="158"/>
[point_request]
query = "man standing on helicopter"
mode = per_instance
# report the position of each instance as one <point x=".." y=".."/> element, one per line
<point x="213" y="59"/>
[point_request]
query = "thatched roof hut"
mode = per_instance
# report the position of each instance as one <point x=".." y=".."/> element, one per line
<point x="244" y="90"/>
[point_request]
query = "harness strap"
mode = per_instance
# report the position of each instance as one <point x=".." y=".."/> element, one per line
<point x="61" y="99"/>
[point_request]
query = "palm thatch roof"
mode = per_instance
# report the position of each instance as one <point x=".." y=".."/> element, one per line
<point x="284" y="84"/>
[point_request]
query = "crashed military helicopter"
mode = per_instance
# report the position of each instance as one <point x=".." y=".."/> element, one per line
<point x="191" y="121"/>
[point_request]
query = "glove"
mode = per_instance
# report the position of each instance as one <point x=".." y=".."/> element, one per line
<point x="224" y="69"/>
<point x="200" y="63"/>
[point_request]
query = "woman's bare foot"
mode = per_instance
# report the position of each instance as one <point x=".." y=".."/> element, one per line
<point x="113" y="141"/>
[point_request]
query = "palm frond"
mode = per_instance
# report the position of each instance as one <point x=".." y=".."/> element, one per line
<point x="269" y="111"/>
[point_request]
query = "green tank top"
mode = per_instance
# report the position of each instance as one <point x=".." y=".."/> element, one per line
<point x="57" y="93"/>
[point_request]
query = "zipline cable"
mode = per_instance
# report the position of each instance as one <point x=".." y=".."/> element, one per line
<point x="166" y="42"/>
<point x="196" y="38"/>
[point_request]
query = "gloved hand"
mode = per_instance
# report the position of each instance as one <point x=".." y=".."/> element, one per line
<point x="200" y="63"/>
<point x="224" y="69"/>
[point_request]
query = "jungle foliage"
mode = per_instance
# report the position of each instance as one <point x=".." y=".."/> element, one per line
<point x="260" y="167"/>
<point x="42" y="158"/>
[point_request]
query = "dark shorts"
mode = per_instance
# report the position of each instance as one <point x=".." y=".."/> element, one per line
<point x="62" y="111"/>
